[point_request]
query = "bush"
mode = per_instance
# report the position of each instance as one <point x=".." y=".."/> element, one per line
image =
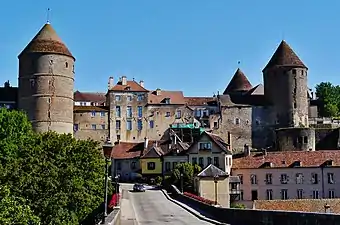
<point x="159" y="180"/>
<point x="198" y="198"/>
<point x="237" y="206"/>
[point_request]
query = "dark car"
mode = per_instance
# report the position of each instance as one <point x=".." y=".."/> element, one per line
<point x="138" y="188"/>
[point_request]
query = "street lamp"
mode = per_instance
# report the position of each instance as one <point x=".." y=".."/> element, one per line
<point x="181" y="181"/>
<point x="107" y="150"/>
<point x="117" y="188"/>
<point x="216" y="180"/>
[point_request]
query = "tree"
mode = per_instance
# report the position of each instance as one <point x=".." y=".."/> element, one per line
<point x="14" y="211"/>
<point x="188" y="171"/>
<point x="62" y="178"/>
<point x="329" y="95"/>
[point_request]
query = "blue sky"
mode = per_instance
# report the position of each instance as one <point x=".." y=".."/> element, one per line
<point x="189" y="45"/>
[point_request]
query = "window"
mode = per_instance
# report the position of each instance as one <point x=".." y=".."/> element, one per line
<point x="269" y="194"/>
<point x="128" y="111"/>
<point x="151" y="123"/>
<point x="284" y="194"/>
<point x="133" y="165"/>
<point x="93" y="113"/>
<point x="119" y="166"/>
<point x="178" y="114"/>
<point x="209" y="161"/>
<point x="201" y="162"/>
<point x="284" y="179"/>
<point x="216" y="162"/>
<point x="269" y="178"/>
<point x="299" y="178"/>
<point x="118" y="137"/>
<point x="237" y="121"/>
<point x="32" y="83"/>
<point x="294" y="71"/>
<point x="205" y="146"/>
<point x="253" y="179"/>
<point x="140" y="124"/>
<point x="194" y="160"/>
<point x="66" y="64"/>
<point x="197" y="113"/>
<point x="73" y="69"/>
<point x="174" y="164"/>
<point x="331" y="194"/>
<point x="167" y="166"/>
<point x="305" y="139"/>
<point x="241" y="195"/>
<point x="128" y="125"/>
<point x="314" y="179"/>
<point x="167" y="114"/>
<point x="93" y="126"/>
<point x="102" y="114"/>
<point x="315" y="194"/>
<point x="140" y="111"/>
<point x="299" y="193"/>
<point x="151" y="165"/>
<point x="140" y="97"/>
<point x="103" y="126"/>
<point x="117" y="97"/>
<point x="75" y="127"/>
<point x="330" y="177"/>
<point x="118" y="112"/>
<point x="129" y="98"/>
<point x="241" y="178"/>
<point x="117" y="124"/>
<point x="215" y="125"/>
<point x="254" y="195"/>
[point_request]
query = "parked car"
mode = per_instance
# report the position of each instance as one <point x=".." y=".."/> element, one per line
<point x="138" y="188"/>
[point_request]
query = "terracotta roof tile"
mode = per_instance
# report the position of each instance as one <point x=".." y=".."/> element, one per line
<point x="284" y="56"/>
<point x="90" y="108"/>
<point x="126" y="150"/>
<point x="239" y="82"/>
<point x="199" y="101"/>
<point x="287" y="159"/>
<point x="90" y="97"/>
<point x="300" y="205"/>
<point x="130" y="86"/>
<point x="176" y="97"/>
<point x="46" y="41"/>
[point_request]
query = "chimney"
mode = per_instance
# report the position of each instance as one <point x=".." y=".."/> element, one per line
<point x="141" y="83"/>
<point x="124" y="81"/>
<point x="110" y="83"/>
<point x="264" y="152"/>
<point x="146" y="141"/>
<point x="246" y="150"/>
<point x="158" y="91"/>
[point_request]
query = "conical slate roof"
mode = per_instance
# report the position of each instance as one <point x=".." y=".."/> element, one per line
<point x="284" y="56"/>
<point x="239" y="82"/>
<point x="46" y="41"/>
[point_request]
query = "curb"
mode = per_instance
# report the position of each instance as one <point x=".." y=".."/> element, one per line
<point x="199" y="216"/>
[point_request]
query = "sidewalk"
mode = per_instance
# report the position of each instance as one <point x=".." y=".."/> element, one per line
<point x="127" y="216"/>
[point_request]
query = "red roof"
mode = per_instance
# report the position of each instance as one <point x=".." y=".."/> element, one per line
<point x="239" y="82"/>
<point x="287" y="159"/>
<point x="89" y="97"/>
<point x="284" y="56"/>
<point x="176" y="97"/>
<point x="127" y="150"/>
<point x="130" y="86"/>
<point x="199" y="101"/>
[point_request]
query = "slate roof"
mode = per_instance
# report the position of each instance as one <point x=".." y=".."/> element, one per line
<point x="176" y="98"/>
<point x="200" y="101"/>
<point x="211" y="171"/>
<point x="287" y="159"/>
<point x="46" y="41"/>
<point x="239" y="82"/>
<point x="284" y="56"/>
<point x="131" y="86"/>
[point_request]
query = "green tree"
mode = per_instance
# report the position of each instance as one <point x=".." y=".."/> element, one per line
<point x="62" y="178"/>
<point x="14" y="211"/>
<point x="188" y="171"/>
<point x="329" y="95"/>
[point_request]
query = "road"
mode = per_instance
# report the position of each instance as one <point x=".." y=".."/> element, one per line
<point x="153" y="208"/>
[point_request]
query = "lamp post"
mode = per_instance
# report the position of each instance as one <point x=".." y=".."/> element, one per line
<point x="117" y="188"/>
<point x="181" y="181"/>
<point x="216" y="180"/>
<point x="107" y="149"/>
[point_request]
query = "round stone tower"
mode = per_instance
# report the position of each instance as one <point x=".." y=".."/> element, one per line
<point x="285" y="87"/>
<point x="46" y="81"/>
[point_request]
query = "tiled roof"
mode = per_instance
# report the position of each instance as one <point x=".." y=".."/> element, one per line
<point x="257" y="90"/>
<point x="131" y="86"/>
<point x="284" y="56"/>
<point x="176" y="97"/>
<point x="200" y="101"/>
<point x="126" y="150"/>
<point x="219" y="141"/>
<point x="46" y="41"/>
<point x="212" y="171"/>
<point x="287" y="159"/>
<point x="90" y="108"/>
<point x="239" y="82"/>
<point x="89" y="96"/>
<point x="300" y="205"/>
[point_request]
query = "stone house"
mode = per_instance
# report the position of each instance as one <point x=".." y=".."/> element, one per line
<point x="213" y="184"/>
<point x="287" y="175"/>
<point x="151" y="160"/>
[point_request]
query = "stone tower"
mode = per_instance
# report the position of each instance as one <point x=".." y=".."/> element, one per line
<point x="285" y="87"/>
<point x="46" y="81"/>
<point x="238" y="84"/>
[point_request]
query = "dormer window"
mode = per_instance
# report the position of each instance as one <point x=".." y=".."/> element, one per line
<point x="128" y="88"/>
<point x="328" y="163"/>
<point x="267" y="165"/>
<point x="204" y="146"/>
<point x="167" y="100"/>
<point x="296" y="164"/>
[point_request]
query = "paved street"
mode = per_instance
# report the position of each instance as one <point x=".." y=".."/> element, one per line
<point x="152" y="208"/>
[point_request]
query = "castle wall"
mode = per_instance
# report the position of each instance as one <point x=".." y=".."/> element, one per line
<point x="295" y="139"/>
<point x="46" y="83"/>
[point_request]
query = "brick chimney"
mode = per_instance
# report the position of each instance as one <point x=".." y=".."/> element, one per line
<point x="158" y="91"/>
<point x="110" y="83"/>
<point x="124" y="80"/>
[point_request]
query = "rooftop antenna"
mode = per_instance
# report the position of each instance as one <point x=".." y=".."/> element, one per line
<point x="48" y="16"/>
